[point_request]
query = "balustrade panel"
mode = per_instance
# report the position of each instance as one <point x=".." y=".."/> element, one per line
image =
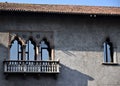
<point x="31" y="66"/>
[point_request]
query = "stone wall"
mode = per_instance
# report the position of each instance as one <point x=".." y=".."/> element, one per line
<point x="78" y="43"/>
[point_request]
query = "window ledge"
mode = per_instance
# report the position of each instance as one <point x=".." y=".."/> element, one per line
<point x="109" y="63"/>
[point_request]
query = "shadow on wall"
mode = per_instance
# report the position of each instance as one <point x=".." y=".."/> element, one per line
<point x="3" y="55"/>
<point x="67" y="77"/>
<point x="70" y="77"/>
<point x="3" y="52"/>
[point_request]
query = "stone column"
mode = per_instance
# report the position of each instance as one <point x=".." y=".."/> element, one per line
<point x="37" y="53"/>
<point x="24" y="54"/>
<point x="52" y="54"/>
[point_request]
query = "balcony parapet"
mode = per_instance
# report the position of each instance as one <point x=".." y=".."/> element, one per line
<point x="13" y="66"/>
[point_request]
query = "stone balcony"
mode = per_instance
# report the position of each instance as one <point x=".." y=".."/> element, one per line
<point x="13" y="66"/>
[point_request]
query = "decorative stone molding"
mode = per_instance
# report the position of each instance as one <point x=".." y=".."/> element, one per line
<point x="37" y="37"/>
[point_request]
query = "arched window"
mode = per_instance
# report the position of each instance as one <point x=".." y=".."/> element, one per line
<point x="16" y="50"/>
<point x="108" y="51"/>
<point x="30" y="50"/>
<point x="44" y="50"/>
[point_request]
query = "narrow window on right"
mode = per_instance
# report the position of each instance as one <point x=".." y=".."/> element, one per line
<point x="109" y="52"/>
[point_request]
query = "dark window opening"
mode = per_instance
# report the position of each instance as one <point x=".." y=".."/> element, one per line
<point x="108" y="51"/>
<point x="44" y="50"/>
<point x="16" y="50"/>
<point x="30" y="50"/>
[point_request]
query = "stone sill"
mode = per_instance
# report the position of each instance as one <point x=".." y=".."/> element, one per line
<point x="109" y="63"/>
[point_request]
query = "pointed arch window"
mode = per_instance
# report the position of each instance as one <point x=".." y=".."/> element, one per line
<point x="109" y="53"/>
<point x="44" y="50"/>
<point x="16" y="50"/>
<point x="30" y="50"/>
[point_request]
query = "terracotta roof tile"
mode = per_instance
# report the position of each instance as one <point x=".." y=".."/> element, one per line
<point x="61" y="8"/>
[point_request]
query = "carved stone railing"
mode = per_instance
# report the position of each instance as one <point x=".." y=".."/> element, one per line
<point x="31" y="66"/>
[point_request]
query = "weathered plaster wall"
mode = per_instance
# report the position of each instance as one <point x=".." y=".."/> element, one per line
<point x="78" y="44"/>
